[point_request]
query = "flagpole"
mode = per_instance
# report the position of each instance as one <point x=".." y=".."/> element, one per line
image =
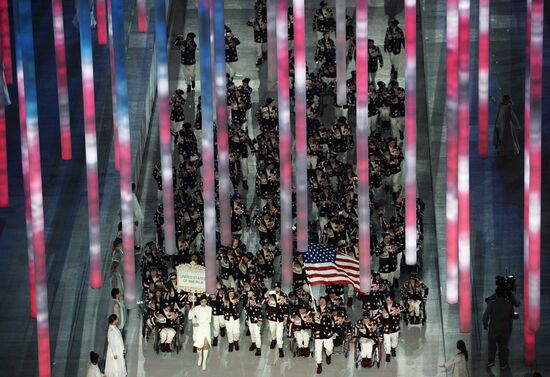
<point x="313" y="298"/>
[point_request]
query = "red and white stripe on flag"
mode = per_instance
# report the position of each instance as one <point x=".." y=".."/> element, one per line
<point x="344" y="270"/>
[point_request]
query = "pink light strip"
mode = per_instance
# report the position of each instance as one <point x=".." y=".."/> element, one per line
<point x="163" y="88"/>
<point x="535" y="141"/>
<point x="113" y="83"/>
<point x="362" y="24"/>
<point x="101" y="23"/>
<point x="25" y="170"/>
<point x="222" y="139"/>
<point x="341" y="52"/>
<point x="62" y="90"/>
<point x="142" y="15"/>
<point x="483" y="80"/>
<point x="463" y="168"/>
<point x="528" y="335"/>
<point x="300" y="125"/>
<point x="24" y="14"/>
<point x="4" y="193"/>
<point x="410" y="132"/>
<point x="271" y="41"/>
<point x="5" y="44"/>
<point x="452" y="156"/>
<point x="285" y="143"/>
<point x="88" y="98"/>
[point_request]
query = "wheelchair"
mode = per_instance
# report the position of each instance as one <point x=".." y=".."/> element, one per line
<point x="293" y="347"/>
<point x="376" y="352"/>
<point x="406" y="315"/>
<point x="341" y="344"/>
<point x="177" y="341"/>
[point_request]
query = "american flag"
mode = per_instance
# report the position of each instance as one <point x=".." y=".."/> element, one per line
<point x="326" y="266"/>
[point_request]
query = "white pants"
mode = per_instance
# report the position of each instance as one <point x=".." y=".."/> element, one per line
<point x="388" y="276"/>
<point x="268" y="282"/>
<point x="311" y="161"/>
<point x="396" y="126"/>
<point x="244" y="168"/>
<point x="328" y="344"/>
<point x="397" y="273"/>
<point x="394" y="60"/>
<point x="230" y="67"/>
<point x="276" y="330"/>
<point x="394" y="181"/>
<point x="217" y="322"/>
<point x="302" y="338"/>
<point x="233" y="327"/>
<point x="319" y="35"/>
<point x="373" y="120"/>
<point x="255" y="334"/>
<point x="366" y="347"/>
<point x="230" y="283"/>
<point x="390" y="341"/>
<point x="189" y="73"/>
<point x="261" y="48"/>
<point x="414" y="306"/>
<point x="372" y="77"/>
<point x="384" y="114"/>
<point x="167" y="335"/>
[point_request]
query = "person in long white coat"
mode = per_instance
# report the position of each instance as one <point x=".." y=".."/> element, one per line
<point x="458" y="363"/>
<point x="138" y="218"/>
<point x="202" y="318"/>
<point x="93" y="369"/>
<point x="114" y="361"/>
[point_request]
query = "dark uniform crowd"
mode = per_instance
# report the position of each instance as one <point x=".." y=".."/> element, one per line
<point x="249" y="292"/>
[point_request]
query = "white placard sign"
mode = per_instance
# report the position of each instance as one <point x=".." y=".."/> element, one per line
<point x="191" y="278"/>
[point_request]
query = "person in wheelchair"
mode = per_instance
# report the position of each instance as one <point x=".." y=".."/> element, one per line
<point x="166" y="322"/>
<point x="380" y="289"/>
<point x="369" y="334"/>
<point x="301" y="323"/>
<point x="414" y="293"/>
<point x="343" y="329"/>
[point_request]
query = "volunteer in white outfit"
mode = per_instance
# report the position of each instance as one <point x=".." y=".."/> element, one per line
<point x="93" y="370"/>
<point x="202" y="318"/>
<point x="114" y="361"/>
<point x="139" y="218"/>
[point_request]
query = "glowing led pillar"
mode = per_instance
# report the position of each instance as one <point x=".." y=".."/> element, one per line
<point x="87" y="64"/>
<point x="536" y="40"/>
<point x="62" y="90"/>
<point x="285" y="143"/>
<point x="113" y="83"/>
<point x="300" y="125"/>
<point x="35" y="179"/>
<point x="362" y="18"/>
<point x="222" y="138"/>
<point x="25" y="162"/>
<point x="4" y="194"/>
<point x="483" y="81"/>
<point x="164" y="127"/>
<point x="410" y="132"/>
<point x="452" y="156"/>
<point x="464" y="295"/>
<point x="271" y="41"/>
<point x="340" y="52"/>
<point x="101" y="22"/>
<point x="5" y="44"/>
<point x="125" y="153"/>
<point x="528" y="335"/>
<point x="208" y="172"/>
<point x="142" y="15"/>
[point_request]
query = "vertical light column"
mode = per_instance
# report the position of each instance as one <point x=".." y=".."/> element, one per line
<point x="340" y="52"/>
<point x="222" y="138"/>
<point x="25" y="160"/>
<point x="101" y="22"/>
<point x="208" y="172"/>
<point x="483" y="80"/>
<point x="164" y="127"/>
<point x="4" y="192"/>
<point x="271" y="41"/>
<point x="300" y="125"/>
<point x="125" y="154"/>
<point x="142" y="15"/>
<point x="464" y="295"/>
<point x="528" y="335"/>
<point x="113" y="83"/>
<point x="362" y="22"/>
<point x="35" y="179"/>
<point x="451" y="223"/>
<point x="410" y="132"/>
<point x="285" y="143"/>
<point x="62" y="90"/>
<point x="88" y="98"/>
<point x="5" y="43"/>
<point x="535" y="141"/>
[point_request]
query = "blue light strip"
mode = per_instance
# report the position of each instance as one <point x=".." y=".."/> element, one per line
<point x="208" y="190"/>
